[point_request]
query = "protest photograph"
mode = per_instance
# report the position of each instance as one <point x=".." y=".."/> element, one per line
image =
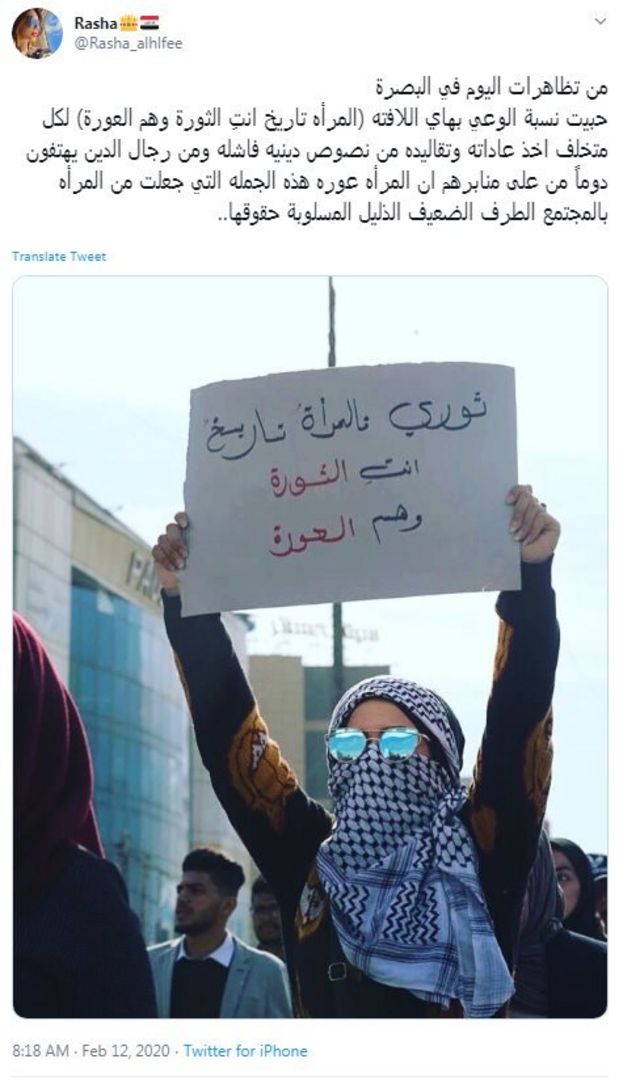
<point x="310" y="647"/>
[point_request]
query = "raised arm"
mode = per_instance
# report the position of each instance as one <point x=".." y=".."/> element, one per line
<point x="508" y="795"/>
<point x="278" y="823"/>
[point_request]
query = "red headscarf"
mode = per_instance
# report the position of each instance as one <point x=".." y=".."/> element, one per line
<point x="52" y="773"/>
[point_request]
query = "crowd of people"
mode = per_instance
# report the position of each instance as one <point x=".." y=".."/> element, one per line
<point x="416" y="897"/>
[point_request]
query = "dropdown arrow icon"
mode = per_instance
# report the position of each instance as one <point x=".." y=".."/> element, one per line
<point x="602" y="21"/>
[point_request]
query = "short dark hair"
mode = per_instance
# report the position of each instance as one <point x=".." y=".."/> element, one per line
<point x="261" y="885"/>
<point x="226" y="875"/>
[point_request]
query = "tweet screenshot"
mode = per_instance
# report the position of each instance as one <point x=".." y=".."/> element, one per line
<point x="318" y="432"/>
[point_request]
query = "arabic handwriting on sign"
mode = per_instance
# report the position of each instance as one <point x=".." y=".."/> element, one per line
<point x="219" y="431"/>
<point x="281" y="433"/>
<point x="381" y="472"/>
<point x="311" y="421"/>
<point x="432" y="423"/>
<point x="298" y="485"/>
<point x="401" y="514"/>
<point x="318" y="535"/>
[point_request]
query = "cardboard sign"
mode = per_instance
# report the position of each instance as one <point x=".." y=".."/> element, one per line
<point x="350" y="484"/>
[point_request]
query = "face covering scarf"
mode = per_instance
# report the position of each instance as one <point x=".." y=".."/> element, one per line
<point x="400" y="868"/>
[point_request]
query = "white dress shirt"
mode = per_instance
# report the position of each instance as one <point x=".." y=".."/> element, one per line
<point x="223" y="954"/>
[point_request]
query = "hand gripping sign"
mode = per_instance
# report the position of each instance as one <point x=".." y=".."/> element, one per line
<point x="350" y="484"/>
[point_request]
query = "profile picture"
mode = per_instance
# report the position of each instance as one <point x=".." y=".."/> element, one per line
<point x="37" y="33"/>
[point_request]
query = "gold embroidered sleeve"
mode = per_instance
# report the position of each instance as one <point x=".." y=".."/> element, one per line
<point x="259" y="773"/>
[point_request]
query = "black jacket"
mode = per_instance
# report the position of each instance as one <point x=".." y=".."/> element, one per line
<point x="576" y="976"/>
<point x="78" y="949"/>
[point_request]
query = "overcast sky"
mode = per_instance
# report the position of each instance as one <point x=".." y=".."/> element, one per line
<point x="103" y="370"/>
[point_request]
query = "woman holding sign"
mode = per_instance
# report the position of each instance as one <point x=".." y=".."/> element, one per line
<point x="406" y="903"/>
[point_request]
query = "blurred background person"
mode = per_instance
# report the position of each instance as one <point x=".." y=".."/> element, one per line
<point x="267" y="923"/>
<point x="558" y="974"/>
<point x="575" y="878"/>
<point x="600" y="881"/>
<point x="78" y="950"/>
<point x="208" y="972"/>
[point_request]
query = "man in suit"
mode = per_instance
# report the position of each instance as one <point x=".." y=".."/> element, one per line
<point x="207" y="972"/>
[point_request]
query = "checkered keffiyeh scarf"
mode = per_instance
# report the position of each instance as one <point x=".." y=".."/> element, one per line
<point x="400" y="868"/>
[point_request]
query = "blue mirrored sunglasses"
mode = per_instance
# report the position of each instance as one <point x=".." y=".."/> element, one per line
<point x="394" y="744"/>
<point x="32" y="22"/>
